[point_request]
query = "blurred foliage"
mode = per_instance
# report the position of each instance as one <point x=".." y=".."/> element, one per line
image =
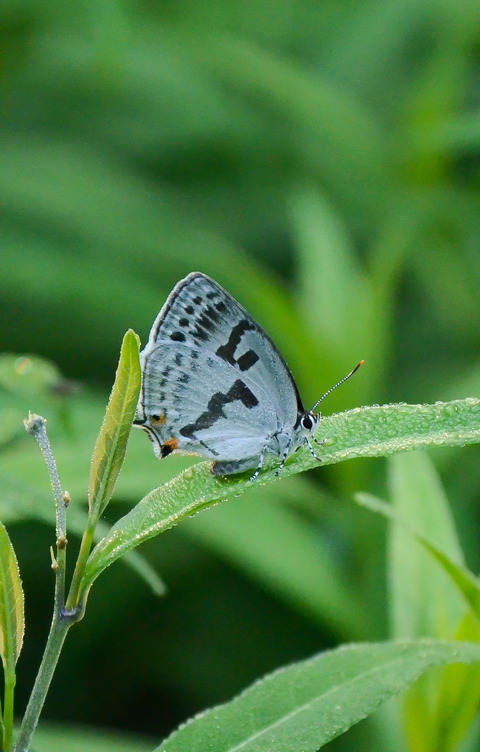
<point x="318" y="159"/>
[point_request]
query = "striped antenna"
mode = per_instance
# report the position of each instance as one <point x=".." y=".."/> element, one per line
<point x="338" y="384"/>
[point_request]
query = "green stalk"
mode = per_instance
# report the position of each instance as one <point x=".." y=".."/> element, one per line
<point x="85" y="548"/>
<point x="60" y="621"/>
<point x="56" y="637"/>
<point x="2" y="728"/>
<point x="8" y="712"/>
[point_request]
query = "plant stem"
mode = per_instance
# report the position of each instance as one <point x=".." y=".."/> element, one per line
<point x="36" y="425"/>
<point x="85" y="548"/>
<point x="2" y="730"/>
<point x="8" y="712"/>
<point x="56" y="637"/>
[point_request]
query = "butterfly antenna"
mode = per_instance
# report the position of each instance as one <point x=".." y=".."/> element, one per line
<point x="345" y="378"/>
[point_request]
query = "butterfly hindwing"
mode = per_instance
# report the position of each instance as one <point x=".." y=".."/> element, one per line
<point x="199" y="401"/>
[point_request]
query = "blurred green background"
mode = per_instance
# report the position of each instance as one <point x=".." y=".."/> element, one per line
<point x="320" y="159"/>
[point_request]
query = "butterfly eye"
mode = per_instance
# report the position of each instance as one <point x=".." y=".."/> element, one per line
<point x="308" y="421"/>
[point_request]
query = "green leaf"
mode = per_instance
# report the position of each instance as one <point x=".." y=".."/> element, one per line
<point x="363" y="432"/>
<point x="304" y="706"/>
<point x="466" y="582"/>
<point x="458" y="695"/>
<point x="333" y="291"/>
<point x="346" y="314"/>
<point x="111" y="444"/>
<point x="11" y="605"/>
<point x="425" y="521"/>
<point x="427" y="598"/>
<point x="424" y="599"/>
<point x="430" y="591"/>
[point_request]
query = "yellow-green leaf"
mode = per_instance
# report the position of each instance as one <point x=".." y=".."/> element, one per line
<point x="111" y="444"/>
<point x="11" y="604"/>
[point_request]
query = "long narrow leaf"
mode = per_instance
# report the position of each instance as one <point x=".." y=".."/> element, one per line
<point x="11" y="604"/>
<point x="362" y="432"/>
<point x="111" y="444"/>
<point x="467" y="583"/>
<point x="430" y="592"/>
<point x="304" y="706"/>
<point x="417" y="584"/>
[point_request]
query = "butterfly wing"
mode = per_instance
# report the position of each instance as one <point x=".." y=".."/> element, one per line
<point x="198" y="405"/>
<point x="213" y="382"/>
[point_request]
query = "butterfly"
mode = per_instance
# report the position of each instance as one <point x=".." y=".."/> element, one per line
<point x="215" y="385"/>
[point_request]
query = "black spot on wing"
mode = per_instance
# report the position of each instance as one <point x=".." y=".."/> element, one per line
<point x="238" y="391"/>
<point x="206" y="323"/>
<point x="166" y="449"/>
<point x="199" y="334"/>
<point x="227" y="351"/>
<point x="247" y="360"/>
<point x="178" y="337"/>
<point x="211" y="313"/>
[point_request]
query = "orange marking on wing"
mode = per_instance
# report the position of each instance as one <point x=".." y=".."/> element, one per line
<point x="171" y="443"/>
<point x="160" y="420"/>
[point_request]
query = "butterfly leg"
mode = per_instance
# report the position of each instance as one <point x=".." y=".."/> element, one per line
<point x="286" y="452"/>
<point x="312" y="451"/>
<point x="259" y="466"/>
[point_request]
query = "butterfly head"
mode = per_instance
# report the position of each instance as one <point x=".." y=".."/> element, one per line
<point x="308" y="422"/>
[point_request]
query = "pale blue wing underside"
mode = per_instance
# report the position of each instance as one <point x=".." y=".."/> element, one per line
<point x="213" y="382"/>
<point x="202" y="403"/>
